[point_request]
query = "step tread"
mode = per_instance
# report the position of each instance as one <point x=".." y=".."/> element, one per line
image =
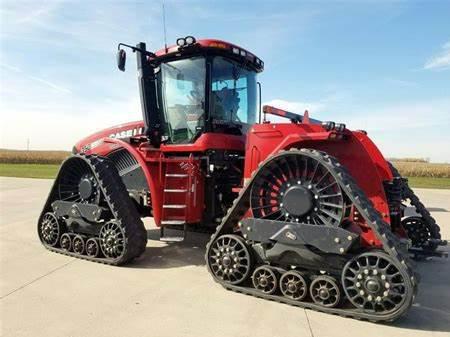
<point x="172" y="239"/>
<point x="173" y="222"/>
<point x="174" y="206"/>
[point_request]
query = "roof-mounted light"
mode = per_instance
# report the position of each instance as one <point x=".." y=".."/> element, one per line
<point x="190" y="40"/>
<point x="236" y="51"/>
<point x="181" y="42"/>
<point x="340" y="127"/>
<point x="328" y="125"/>
<point x="243" y="53"/>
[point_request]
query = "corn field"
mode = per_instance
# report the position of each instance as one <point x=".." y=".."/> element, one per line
<point x="32" y="157"/>
<point x="422" y="169"/>
<point x="408" y="167"/>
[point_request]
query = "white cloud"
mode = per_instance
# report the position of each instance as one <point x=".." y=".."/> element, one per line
<point x="401" y="83"/>
<point x="403" y="116"/>
<point x="62" y="24"/>
<point x="440" y="61"/>
<point x="295" y="107"/>
<point x="409" y="129"/>
<point x="317" y="109"/>
<point x="54" y="119"/>
<point x="59" y="125"/>
<point x="59" y="99"/>
<point x="48" y="83"/>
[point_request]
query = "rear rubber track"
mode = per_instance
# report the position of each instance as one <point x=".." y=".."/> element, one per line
<point x="391" y="244"/>
<point x="408" y="193"/>
<point x="121" y="206"/>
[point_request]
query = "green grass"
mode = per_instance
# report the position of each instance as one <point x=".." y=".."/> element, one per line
<point x="427" y="182"/>
<point x="48" y="171"/>
<point x="44" y="171"/>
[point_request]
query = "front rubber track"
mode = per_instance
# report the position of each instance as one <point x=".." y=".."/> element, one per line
<point x="119" y="202"/>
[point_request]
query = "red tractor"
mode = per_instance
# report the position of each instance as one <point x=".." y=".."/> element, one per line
<point x="305" y="212"/>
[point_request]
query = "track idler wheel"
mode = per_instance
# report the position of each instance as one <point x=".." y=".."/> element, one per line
<point x="92" y="247"/>
<point x="293" y="285"/>
<point x="325" y="291"/>
<point x="229" y="259"/>
<point x="373" y="281"/>
<point x="50" y="229"/>
<point x="66" y="242"/>
<point x="112" y="240"/>
<point x="265" y="280"/>
<point x="78" y="244"/>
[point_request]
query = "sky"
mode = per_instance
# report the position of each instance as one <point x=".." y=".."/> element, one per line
<point x="380" y="66"/>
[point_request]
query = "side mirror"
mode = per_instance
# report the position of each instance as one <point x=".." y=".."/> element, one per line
<point x="121" y="59"/>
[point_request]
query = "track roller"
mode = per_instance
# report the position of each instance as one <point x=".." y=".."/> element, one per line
<point x="92" y="247"/>
<point x="324" y="290"/>
<point x="293" y="285"/>
<point x="265" y="279"/>
<point x="78" y="244"/>
<point x="66" y="242"/>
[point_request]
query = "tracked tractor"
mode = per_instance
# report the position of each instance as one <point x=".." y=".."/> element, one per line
<point x="304" y="212"/>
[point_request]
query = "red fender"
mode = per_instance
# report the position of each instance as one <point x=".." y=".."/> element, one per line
<point x="107" y="145"/>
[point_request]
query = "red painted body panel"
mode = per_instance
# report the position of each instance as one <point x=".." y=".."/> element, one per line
<point x="354" y="150"/>
<point x="209" y="141"/>
<point x="155" y="162"/>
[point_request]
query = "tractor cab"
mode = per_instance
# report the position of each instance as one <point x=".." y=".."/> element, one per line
<point x="197" y="87"/>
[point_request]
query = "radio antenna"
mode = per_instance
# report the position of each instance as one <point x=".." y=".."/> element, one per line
<point x="164" y="24"/>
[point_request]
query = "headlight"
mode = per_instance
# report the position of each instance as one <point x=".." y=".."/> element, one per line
<point x="189" y="40"/>
<point x="328" y="125"/>
<point x="181" y="42"/>
<point x="340" y="127"/>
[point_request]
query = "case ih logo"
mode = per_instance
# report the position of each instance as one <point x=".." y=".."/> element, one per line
<point x="117" y="135"/>
<point x="127" y="133"/>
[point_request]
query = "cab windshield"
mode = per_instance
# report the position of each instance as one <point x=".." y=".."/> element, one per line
<point x="233" y="95"/>
<point x="182" y="92"/>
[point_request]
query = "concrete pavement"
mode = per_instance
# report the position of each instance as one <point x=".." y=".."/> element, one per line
<point x="168" y="292"/>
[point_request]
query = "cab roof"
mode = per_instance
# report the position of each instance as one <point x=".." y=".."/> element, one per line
<point x="212" y="44"/>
